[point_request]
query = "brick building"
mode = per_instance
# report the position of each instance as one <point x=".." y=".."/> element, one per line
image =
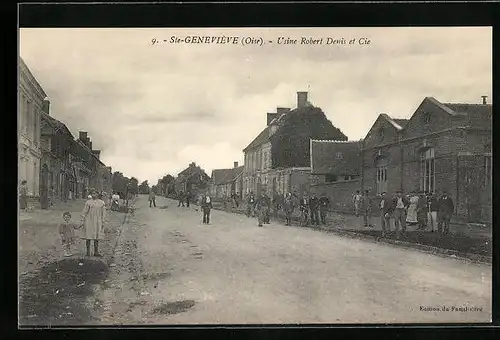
<point x="443" y="146"/>
<point x="335" y="171"/>
<point x="31" y="99"/>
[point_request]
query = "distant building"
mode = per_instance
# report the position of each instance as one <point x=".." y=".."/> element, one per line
<point x="278" y="159"/>
<point x="31" y="101"/>
<point x="226" y="181"/>
<point x="336" y="170"/>
<point x="443" y="146"/>
<point x="193" y="179"/>
<point x="56" y="140"/>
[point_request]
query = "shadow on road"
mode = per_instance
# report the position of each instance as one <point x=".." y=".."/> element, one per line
<point x="56" y="293"/>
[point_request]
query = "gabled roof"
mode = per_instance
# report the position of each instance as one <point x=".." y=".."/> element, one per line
<point x="324" y="157"/>
<point x="261" y="138"/>
<point x="478" y="115"/>
<point x="398" y="123"/>
<point x="191" y="171"/>
<point x="223" y="176"/>
<point x="55" y="123"/>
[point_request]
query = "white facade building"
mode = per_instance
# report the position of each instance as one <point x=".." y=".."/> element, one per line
<point x="31" y="96"/>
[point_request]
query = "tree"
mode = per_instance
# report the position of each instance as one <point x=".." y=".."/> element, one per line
<point x="134" y="185"/>
<point x="144" y="187"/>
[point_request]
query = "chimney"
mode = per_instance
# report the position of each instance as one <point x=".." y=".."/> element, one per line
<point x="46" y="106"/>
<point x="235" y="164"/>
<point x="282" y="110"/>
<point x="270" y="117"/>
<point x="484" y="99"/>
<point x="82" y="136"/>
<point x="301" y="99"/>
<point x="97" y="153"/>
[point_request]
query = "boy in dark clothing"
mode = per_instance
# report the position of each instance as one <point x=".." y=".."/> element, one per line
<point x="288" y="207"/>
<point x="313" y="207"/>
<point x="385" y="214"/>
<point x="324" y="202"/>
<point x="445" y="212"/>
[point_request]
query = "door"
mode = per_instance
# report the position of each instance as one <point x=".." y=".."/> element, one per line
<point x="44" y="187"/>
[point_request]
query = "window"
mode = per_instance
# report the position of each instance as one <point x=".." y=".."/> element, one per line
<point x="427" y="117"/>
<point x="330" y="178"/>
<point x="381" y="133"/>
<point x="487" y="170"/>
<point x="427" y="170"/>
<point x="381" y="175"/>
<point x="339" y="155"/>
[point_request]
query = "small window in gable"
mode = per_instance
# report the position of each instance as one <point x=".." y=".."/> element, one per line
<point x="381" y="133"/>
<point x="339" y="155"/>
<point x="427" y="117"/>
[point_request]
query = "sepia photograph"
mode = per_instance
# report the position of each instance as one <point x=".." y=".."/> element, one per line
<point x="214" y="176"/>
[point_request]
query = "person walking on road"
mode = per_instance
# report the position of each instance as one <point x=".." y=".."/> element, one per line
<point x="188" y="198"/>
<point x="288" y="207"/>
<point x="93" y="222"/>
<point x="23" y="196"/>
<point x="263" y="204"/>
<point x="251" y="205"/>
<point x="314" y="209"/>
<point x="432" y="211"/>
<point x="356" y="199"/>
<point x="206" y="206"/>
<point x="400" y="204"/>
<point x="181" y="199"/>
<point x="446" y="208"/>
<point x="385" y="214"/>
<point x="366" y="205"/>
<point x="324" y="202"/>
<point x="152" y="198"/>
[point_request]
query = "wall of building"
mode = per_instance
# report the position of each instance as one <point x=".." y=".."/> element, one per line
<point x="339" y="193"/>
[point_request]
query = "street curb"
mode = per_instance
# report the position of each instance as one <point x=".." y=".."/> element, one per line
<point x="476" y="258"/>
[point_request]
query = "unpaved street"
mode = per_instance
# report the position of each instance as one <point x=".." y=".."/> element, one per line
<point x="169" y="268"/>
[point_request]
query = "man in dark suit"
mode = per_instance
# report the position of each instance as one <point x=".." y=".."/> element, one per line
<point x="206" y="206"/>
<point x="399" y="205"/>
<point x="385" y="214"/>
<point x="263" y="205"/>
<point x="314" y="208"/>
<point x="324" y="202"/>
<point x="446" y="208"/>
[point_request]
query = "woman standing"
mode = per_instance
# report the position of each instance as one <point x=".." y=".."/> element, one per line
<point x="23" y="196"/>
<point x="411" y="216"/>
<point x="93" y="222"/>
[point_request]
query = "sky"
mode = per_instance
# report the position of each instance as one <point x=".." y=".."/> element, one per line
<point x="154" y="108"/>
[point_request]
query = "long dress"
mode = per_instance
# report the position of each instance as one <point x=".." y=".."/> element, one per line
<point x="23" y="197"/>
<point x="411" y="216"/>
<point x="93" y="223"/>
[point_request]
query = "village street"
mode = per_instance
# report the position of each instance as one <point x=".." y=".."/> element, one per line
<point x="169" y="268"/>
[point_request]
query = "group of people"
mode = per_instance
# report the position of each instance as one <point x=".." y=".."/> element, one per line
<point x="423" y="209"/>
<point x="312" y="209"/>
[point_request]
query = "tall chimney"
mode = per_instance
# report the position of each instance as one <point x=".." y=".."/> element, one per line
<point x="484" y="99"/>
<point x="235" y="164"/>
<point x="270" y="117"/>
<point x="89" y="144"/>
<point x="46" y="106"/>
<point x="301" y="99"/>
<point x="82" y="136"/>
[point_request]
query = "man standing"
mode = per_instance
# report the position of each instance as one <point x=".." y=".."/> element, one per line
<point x="314" y="206"/>
<point x="324" y="202"/>
<point x="400" y="204"/>
<point x="288" y="207"/>
<point x="304" y="211"/>
<point x="366" y="203"/>
<point x="251" y="205"/>
<point x="188" y="198"/>
<point x="152" y="198"/>
<point x="432" y="211"/>
<point x="385" y="214"/>
<point x="181" y="199"/>
<point x="422" y="211"/>
<point x="267" y="208"/>
<point x="206" y="206"/>
<point x="356" y="199"/>
<point x="262" y="206"/>
<point x="445" y="211"/>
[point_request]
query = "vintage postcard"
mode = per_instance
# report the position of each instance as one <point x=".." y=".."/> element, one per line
<point x="255" y="176"/>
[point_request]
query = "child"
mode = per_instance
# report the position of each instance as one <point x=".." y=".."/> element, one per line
<point x="67" y="233"/>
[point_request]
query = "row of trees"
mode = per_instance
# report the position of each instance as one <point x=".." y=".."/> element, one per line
<point x="122" y="184"/>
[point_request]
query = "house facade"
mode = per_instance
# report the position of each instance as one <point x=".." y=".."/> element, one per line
<point x="31" y="97"/>
<point x="335" y="171"/>
<point x="56" y="171"/>
<point x="442" y="147"/>
<point x="193" y="179"/>
<point x="278" y="159"/>
<point x="226" y="181"/>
